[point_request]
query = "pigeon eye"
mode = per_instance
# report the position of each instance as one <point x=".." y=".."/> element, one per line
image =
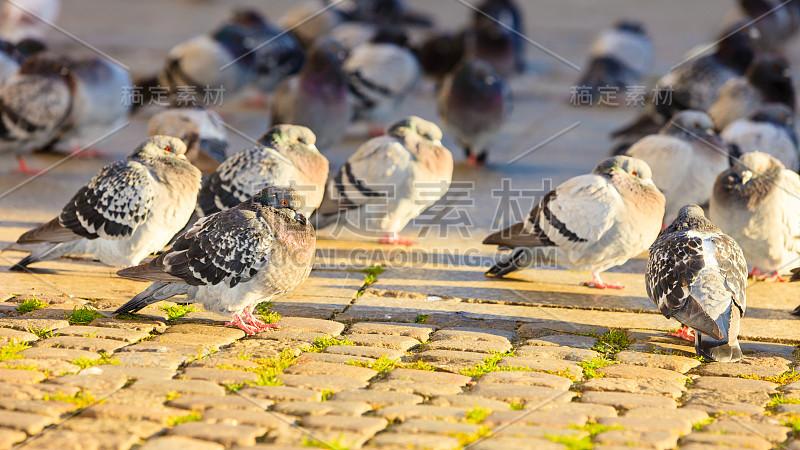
<point x="284" y="203"/>
<point x="168" y="149"/>
<point x="635" y="173"/>
<point x="697" y="126"/>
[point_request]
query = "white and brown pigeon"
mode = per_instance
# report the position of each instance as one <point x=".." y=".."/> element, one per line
<point x="618" y="58"/>
<point x="287" y="157"/>
<point x="686" y="156"/>
<point x="129" y="210"/>
<point x="201" y="129"/>
<point x="769" y="130"/>
<point x="389" y="181"/>
<point x="757" y="203"/>
<point x="697" y="275"/>
<point x="233" y="260"/>
<point x="594" y="222"/>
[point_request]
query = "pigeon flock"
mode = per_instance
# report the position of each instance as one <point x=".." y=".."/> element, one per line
<point x="233" y="227"/>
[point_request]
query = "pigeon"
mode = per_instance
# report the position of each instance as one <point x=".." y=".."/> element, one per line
<point x="129" y="210"/>
<point x="757" y="203"/>
<point x="619" y="57"/>
<point x="506" y="14"/>
<point x="686" y="157"/>
<point x="440" y="53"/>
<point x="389" y="181"/>
<point x="317" y="97"/>
<point x="384" y="12"/>
<point x="381" y="75"/>
<point x="202" y="131"/>
<point x="27" y="19"/>
<point x="492" y="43"/>
<point x="311" y="20"/>
<point x="694" y="82"/>
<point x="287" y="157"/>
<point x="770" y="130"/>
<point x="10" y="60"/>
<point x="777" y="21"/>
<point x="233" y="260"/>
<point x="768" y="80"/>
<point x="697" y="274"/>
<point x="474" y="104"/>
<point x="590" y="222"/>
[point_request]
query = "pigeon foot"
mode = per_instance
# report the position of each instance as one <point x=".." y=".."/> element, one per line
<point x="684" y="333"/>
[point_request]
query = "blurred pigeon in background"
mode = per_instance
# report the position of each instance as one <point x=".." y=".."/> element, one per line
<point x="202" y="131"/>
<point x="770" y="130"/>
<point x="506" y="14"/>
<point x="776" y="20"/>
<point x="27" y="19"/>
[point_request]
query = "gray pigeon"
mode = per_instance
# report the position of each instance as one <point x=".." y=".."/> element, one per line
<point x="686" y="157"/>
<point x="757" y="202"/>
<point x="777" y="21"/>
<point x="286" y="158"/>
<point x="202" y="131"/>
<point x="388" y="181"/>
<point x="768" y="80"/>
<point x="593" y="222"/>
<point x="620" y="57"/>
<point x="474" y="104"/>
<point x="317" y="97"/>
<point x="382" y="74"/>
<point x="697" y="275"/>
<point x="233" y="260"/>
<point x="770" y="130"/>
<point x="129" y="210"/>
<point x="10" y="60"/>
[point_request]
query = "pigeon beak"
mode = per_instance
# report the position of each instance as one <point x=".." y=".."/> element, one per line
<point x="746" y="176"/>
<point x="300" y="218"/>
<point x="183" y="157"/>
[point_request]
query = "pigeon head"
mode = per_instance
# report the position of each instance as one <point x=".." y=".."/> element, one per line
<point x="423" y="128"/>
<point x="631" y="26"/>
<point x="161" y="147"/>
<point x="326" y="56"/>
<point x="174" y="123"/>
<point x="736" y="46"/>
<point x="632" y="166"/>
<point x="691" y="125"/>
<point x="773" y="78"/>
<point x="29" y="47"/>
<point x="11" y="50"/>
<point x="757" y="163"/>
<point x="691" y="218"/>
<point x="751" y="179"/>
<point x="46" y="64"/>
<point x="236" y="40"/>
<point x="249" y="19"/>
<point x="286" y="200"/>
<point x="281" y="137"/>
<point x="776" y="114"/>
<point x="477" y="79"/>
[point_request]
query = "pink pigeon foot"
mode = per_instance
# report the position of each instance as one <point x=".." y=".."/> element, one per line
<point x="240" y="324"/>
<point x="253" y="320"/>
<point x="23" y="168"/>
<point x="393" y="239"/>
<point x="86" y="153"/>
<point x="684" y="333"/>
<point x="474" y="162"/>
<point x="258" y="101"/>
<point x="600" y="284"/>
<point x="761" y="276"/>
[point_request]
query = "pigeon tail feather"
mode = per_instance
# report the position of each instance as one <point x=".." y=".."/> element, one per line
<point x="44" y="252"/>
<point x="155" y="293"/>
<point x="717" y="350"/>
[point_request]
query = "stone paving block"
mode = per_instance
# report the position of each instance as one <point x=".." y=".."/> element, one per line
<point x="133" y="372"/>
<point x="545" y="365"/>
<point x="98" y="385"/>
<point x="67" y="439"/>
<point x="258" y="348"/>
<point x="218" y="359"/>
<point x="140" y="428"/>
<point x="229" y="334"/>
<point x="329" y="327"/>
<point x="475" y="334"/>
<point x="27" y="422"/>
<point x="180" y="386"/>
<point x="63" y="354"/>
<point x="204" y="318"/>
<point x="11" y="335"/>
<point x="402" y="343"/>
<point x="464" y="345"/>
<point x="174" y="442"/>
<point x="716" y="369"/>
<point x="450" y="360"/>
<point x="222" y="433"/>
<point x="641" y="373"/>
<point x="162" y="360"/>
<point x="140" y="324"/>
<point x="547" y="352"/>
<point x="378" y="399"/>
<point x="469" y="402"/>
<point x="790" y="387"/>
<point x="420" y="332"/>
<point x="361" y="425"/>
<point x="400" y="413"/>
<point x="20" y="376"/>
<point x="788" y="409"/>
<point x="414" y="426"/>
<point x="722" y="440"/>
<point x="52" y="366"/>
<point x="334" y="383"/>
<point x="158" y="414"/>
<point x="322" y="368"/>
<point x="673" y="389"/>
<point x="200" y="343"/>
<point x="120" y="334"/>
<point x="219" y="376"/>
<point x="516" y="444"/>
<point x="359" y="313"/>
<point x="451" y="320"/>
<point x="692" y="415"/>
<point x="143" y="399"/>
<point x="677" y="363"/>
<point x="289" y="437"/>
<point x="679" y="427"/>
<point x="322" y="312"/>
<point x="734" y="384"/>
<point x="194" y="347"/>
<point x="537" y="432"/>
<point x="414" y="441"/>
<point x="289" y="336"/>
<point x="567" y="340"/>
<point x="753" y="398"/>
<point x="204" y="402"/>
<point x="332" y="358"/>
<point x="545" y="328"/>
<point x="34" y="391"/>
<point x="740" y="425"/>
<point x="624" y="400"/>
<point x="420" y="388"/>
<point x="520" y="394"/>
<point x="366" y="352"/>
<point x="41" y="407"/>
<point x="32" y="323"/>
<point x="592" y="411"/>
<point x="82" y="343"/>
<point x="528" y="378"/>
<point x="268" y="420"/>
<point x="535" y="418"/>
<point x="9" y="437"/>
<point x="659" y="440"/>
<point x="280" y="393"/>
<point x="426" y="376"/>
<point x="713" y="407"/>
<point x="330" y="407"/>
